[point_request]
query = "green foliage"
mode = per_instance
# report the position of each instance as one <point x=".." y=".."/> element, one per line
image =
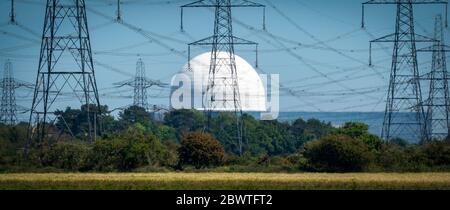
<point x="134" y="142"/>
<point x="67" y="155"/>
<point x="164" y="132"/>
<point x="437" y="152"/>
<point x="337" y="153"/>
<point x="185" y="121"/>
<point x="75" y="121"/>
<point x="400" y="142"/>
<point x="263" y="137"/>
<point x="276" y="138"/>
<point x="134" y="149"/>
<point x="133" y="115"/>
<point x="360" y="131"/>
<point x="353" y="129"/>
<point x="393" y="157"/>
<point x="12" y="139"/>
<point x="311" y="129"/>
<point x="200" y="150"/>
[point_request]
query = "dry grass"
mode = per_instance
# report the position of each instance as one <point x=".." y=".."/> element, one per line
<point x="219" y="181"/>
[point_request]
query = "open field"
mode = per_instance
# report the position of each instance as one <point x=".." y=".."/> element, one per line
<point x="224" y="181"/>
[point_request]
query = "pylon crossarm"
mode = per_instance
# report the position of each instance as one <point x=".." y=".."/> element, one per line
<point x="151" y="83"/>
<point x="387" y="38"/>
<point x="240" y="41"/>
<point x="24" y="84"/>
<point x="157" y="83"/>
<point x="213" y="3"/>
<point x="391" y="38"/>
<point x="234" y="3"/>
<point x="205" y="41"/>
<point x="210" y="41"/>
<point x="422" y="38"/>
<point x="147" y="82"/>
<point x="445" y="48"/>
<point x="406" y="1"/>
<point x="392" y="2"/>
<point x="124" y="83"/>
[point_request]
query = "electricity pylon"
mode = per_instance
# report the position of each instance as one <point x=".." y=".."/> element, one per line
<point x="141" y="83"/>
<point x="222" y="91"/>
<point x="437" y="104"/>
<point x="65" y="71"/>
<point x="8" y="108"/>
<point x="404" y="114"/>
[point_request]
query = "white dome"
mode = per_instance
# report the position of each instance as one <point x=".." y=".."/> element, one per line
<point x="251" y="87"/>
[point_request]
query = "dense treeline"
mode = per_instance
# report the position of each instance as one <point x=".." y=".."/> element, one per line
<point x="134" y="142"/>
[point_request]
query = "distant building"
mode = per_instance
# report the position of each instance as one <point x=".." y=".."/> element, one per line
<point x="251" y="86"/>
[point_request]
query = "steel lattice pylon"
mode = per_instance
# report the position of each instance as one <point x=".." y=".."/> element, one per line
<point x="404" y="114"/>
<point x="140" y="88"/>
<point x="222" y="92"/>
<point x="140" y="83"/>
<point x="437" y="104"/>
<point x="65" y="70"/>
<point x="9" y="109"/>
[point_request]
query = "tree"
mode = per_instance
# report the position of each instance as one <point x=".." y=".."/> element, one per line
<point x="135" y="148"/>
<point x="164" y="132"/>
<point x="312" y="129"/>
<point x="12" y="139"/>
<point x="317" y="128"/>
<point x="298" y="127"/>
<point x="69" y="155"/>
<point x="133" y="115"/>
<point x="360" y="131"/>
<point x="279" y="139"/>
<point x="223" y="128"/>
<point x="200" y="150"/>
<point x="263" y="137"/>
<point x="185" y="121"/>
<point x="437" y="152"/>
<point x="337" y="153"/>
<point x="74" y="121"/>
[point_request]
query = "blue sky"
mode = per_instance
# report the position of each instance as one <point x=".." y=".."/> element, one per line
<point x="350" y="84"/>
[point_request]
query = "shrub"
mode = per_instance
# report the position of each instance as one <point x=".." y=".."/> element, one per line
<point x="200" y="150"/>
<point x="400" y="142"/>
<point x="391" y="157"/>
<point x="437" y="152"/>
<point x="337" y="153"/>
<point x="66" y="155"/>
<point x="109" y="155"/>
<point x="360" y="131"/>
<point x="131" y="150"/>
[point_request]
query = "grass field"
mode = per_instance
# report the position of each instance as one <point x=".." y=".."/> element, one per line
<point x="225" y="181"/>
